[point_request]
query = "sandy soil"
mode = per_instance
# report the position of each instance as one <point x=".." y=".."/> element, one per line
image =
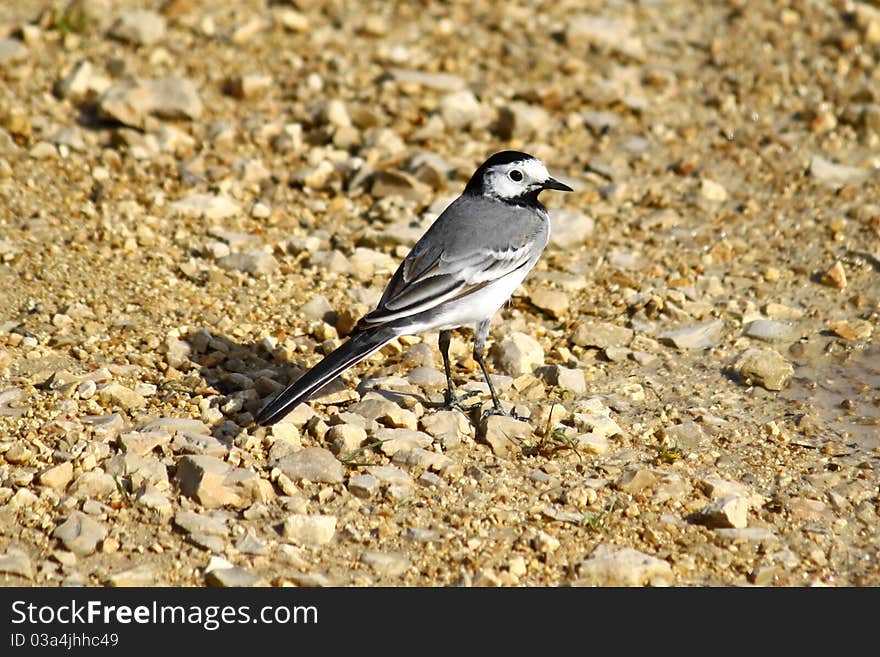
<point x="703" y="390"/>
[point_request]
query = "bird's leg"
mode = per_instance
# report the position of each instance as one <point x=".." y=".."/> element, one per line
<point x="451" y="400"/>
<point x="480" y="335"/>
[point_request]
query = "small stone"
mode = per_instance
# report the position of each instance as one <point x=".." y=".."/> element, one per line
<point x="770" y="330"/>
<point x="197" y="443"/>
<point x="234" y="576"/>
<point x="544" y="543"/>
<point x="589" y="29"/>
<point x="519" y="120"/>
<point x="389" y="564"/>
<point x="384" y="411"/>
<point x="369" y="262"/>
<point x="687" y="435"/>
<point x="95" y="484"/>
<point x="835" y="276"/>
<point x="250" y="262"/>
<point x="601" y="335"/>
<point x="145" y="389"/>
<point x="592" y="443"/>
<point x="260" y="210"/>
<point x="517" y="566"/>
<point x="82" y="83"/>
<point x="292" y="20"/>
<point x="345" y="438"/>
<point x="16" y="562"/>
<point x="460" y="110"/>
<point x="424" y="459"/>
<point x="247" y="86"/>
<point x="764" y="367"/>
<point x="142" y="28"/>
<point x="712" y="191"/>
<point x="592" y="416"/>
<point x="803" y="508"/>
<point x="332" y="261"/>
<point x="394" y="440"/>
<point x="430" y="479"/>
<point x="250" y="544"/>
<point x="716" y="487"/>
<point x="194" y="472"/>
<point x="765" y="574"/>
<point x="391" y="475"/>
<point x="399" y="418"/>
<point x="105" y="428"/>
<point x="43" y="150"/>
<point x="311" y="530"/>
<point x="312" y="464"/>
<point x="504" y="434"/>
<point x="200" y="523"/>
<point x="57" y="476"/>
<point x="177" y="352"/>
<point x="142" y="575"/>
<point x="319" y="176"/>
<point x="600" y="122"/>
<point x="553" y="302"/>
<point x="207" y="206"/>
<point x="398" y="183"/>
<point x="335" y="113"/>
<point x="18" y="454"/>
<point x="215" y="483"/>
<point x="518" y="353"/>
<point x="617" y="354"/>
<point x="152" y="498"/>
<point x="442" y="423"/>
<point x="316" y="308"/>
<point x="137" y="469"/>
<point x="753" y="535"/>
<point x="634" y="480"/>
<point x="174" y="424"/>
<point x="119" y="395"/>
<point x="782" y="312"/>
<point x="696" y="336"/>
<point x="80" y="534"/>
<point x="436" y="81"/>
<point x="858" y="329"/>
<point x="626" y="567"/>
<point x="364" y="486"/>
<point x="834" y="174"/>
<point x="22" y="499"/>
<point x="130" y="102"/>
<point x="566" y="378"/>
<point x="12" y="50"/>
<point x="724" y="512"/>
<point x="570" y="229"/>
<point x="143" y="442"/>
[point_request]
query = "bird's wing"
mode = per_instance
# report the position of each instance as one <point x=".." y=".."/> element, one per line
<point x="427" y="279"/>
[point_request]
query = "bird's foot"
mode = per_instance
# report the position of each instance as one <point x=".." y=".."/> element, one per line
<point x="498" y="410"/>
<point x="453" y="402"/>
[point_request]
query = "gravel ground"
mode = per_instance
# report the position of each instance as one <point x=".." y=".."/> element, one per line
<point x="198" y="200"/>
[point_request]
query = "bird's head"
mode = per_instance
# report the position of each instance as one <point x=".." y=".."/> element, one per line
<point x="513" y="177"/>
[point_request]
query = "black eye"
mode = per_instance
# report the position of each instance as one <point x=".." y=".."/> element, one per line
<point x="516" y="175"/>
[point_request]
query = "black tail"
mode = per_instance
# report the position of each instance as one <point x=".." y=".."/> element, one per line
<point x="350" y="353"/>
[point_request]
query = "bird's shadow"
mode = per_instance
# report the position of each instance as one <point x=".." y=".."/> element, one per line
<point x="245" y="375"/>
<point x="240" y="375"/>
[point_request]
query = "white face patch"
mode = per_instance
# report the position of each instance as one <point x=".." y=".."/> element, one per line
<point x="501" y="180"/>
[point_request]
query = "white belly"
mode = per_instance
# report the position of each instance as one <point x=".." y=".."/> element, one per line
<point x="475" y="307"/>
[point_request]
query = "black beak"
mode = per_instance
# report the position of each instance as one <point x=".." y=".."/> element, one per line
<point x="552" y="183"/>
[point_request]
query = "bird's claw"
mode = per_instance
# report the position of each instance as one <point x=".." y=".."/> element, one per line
<point x="454" y="402"/>
<point x="500" y="411"/>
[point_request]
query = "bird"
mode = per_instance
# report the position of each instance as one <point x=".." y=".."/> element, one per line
<point x="461" y="271"/>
